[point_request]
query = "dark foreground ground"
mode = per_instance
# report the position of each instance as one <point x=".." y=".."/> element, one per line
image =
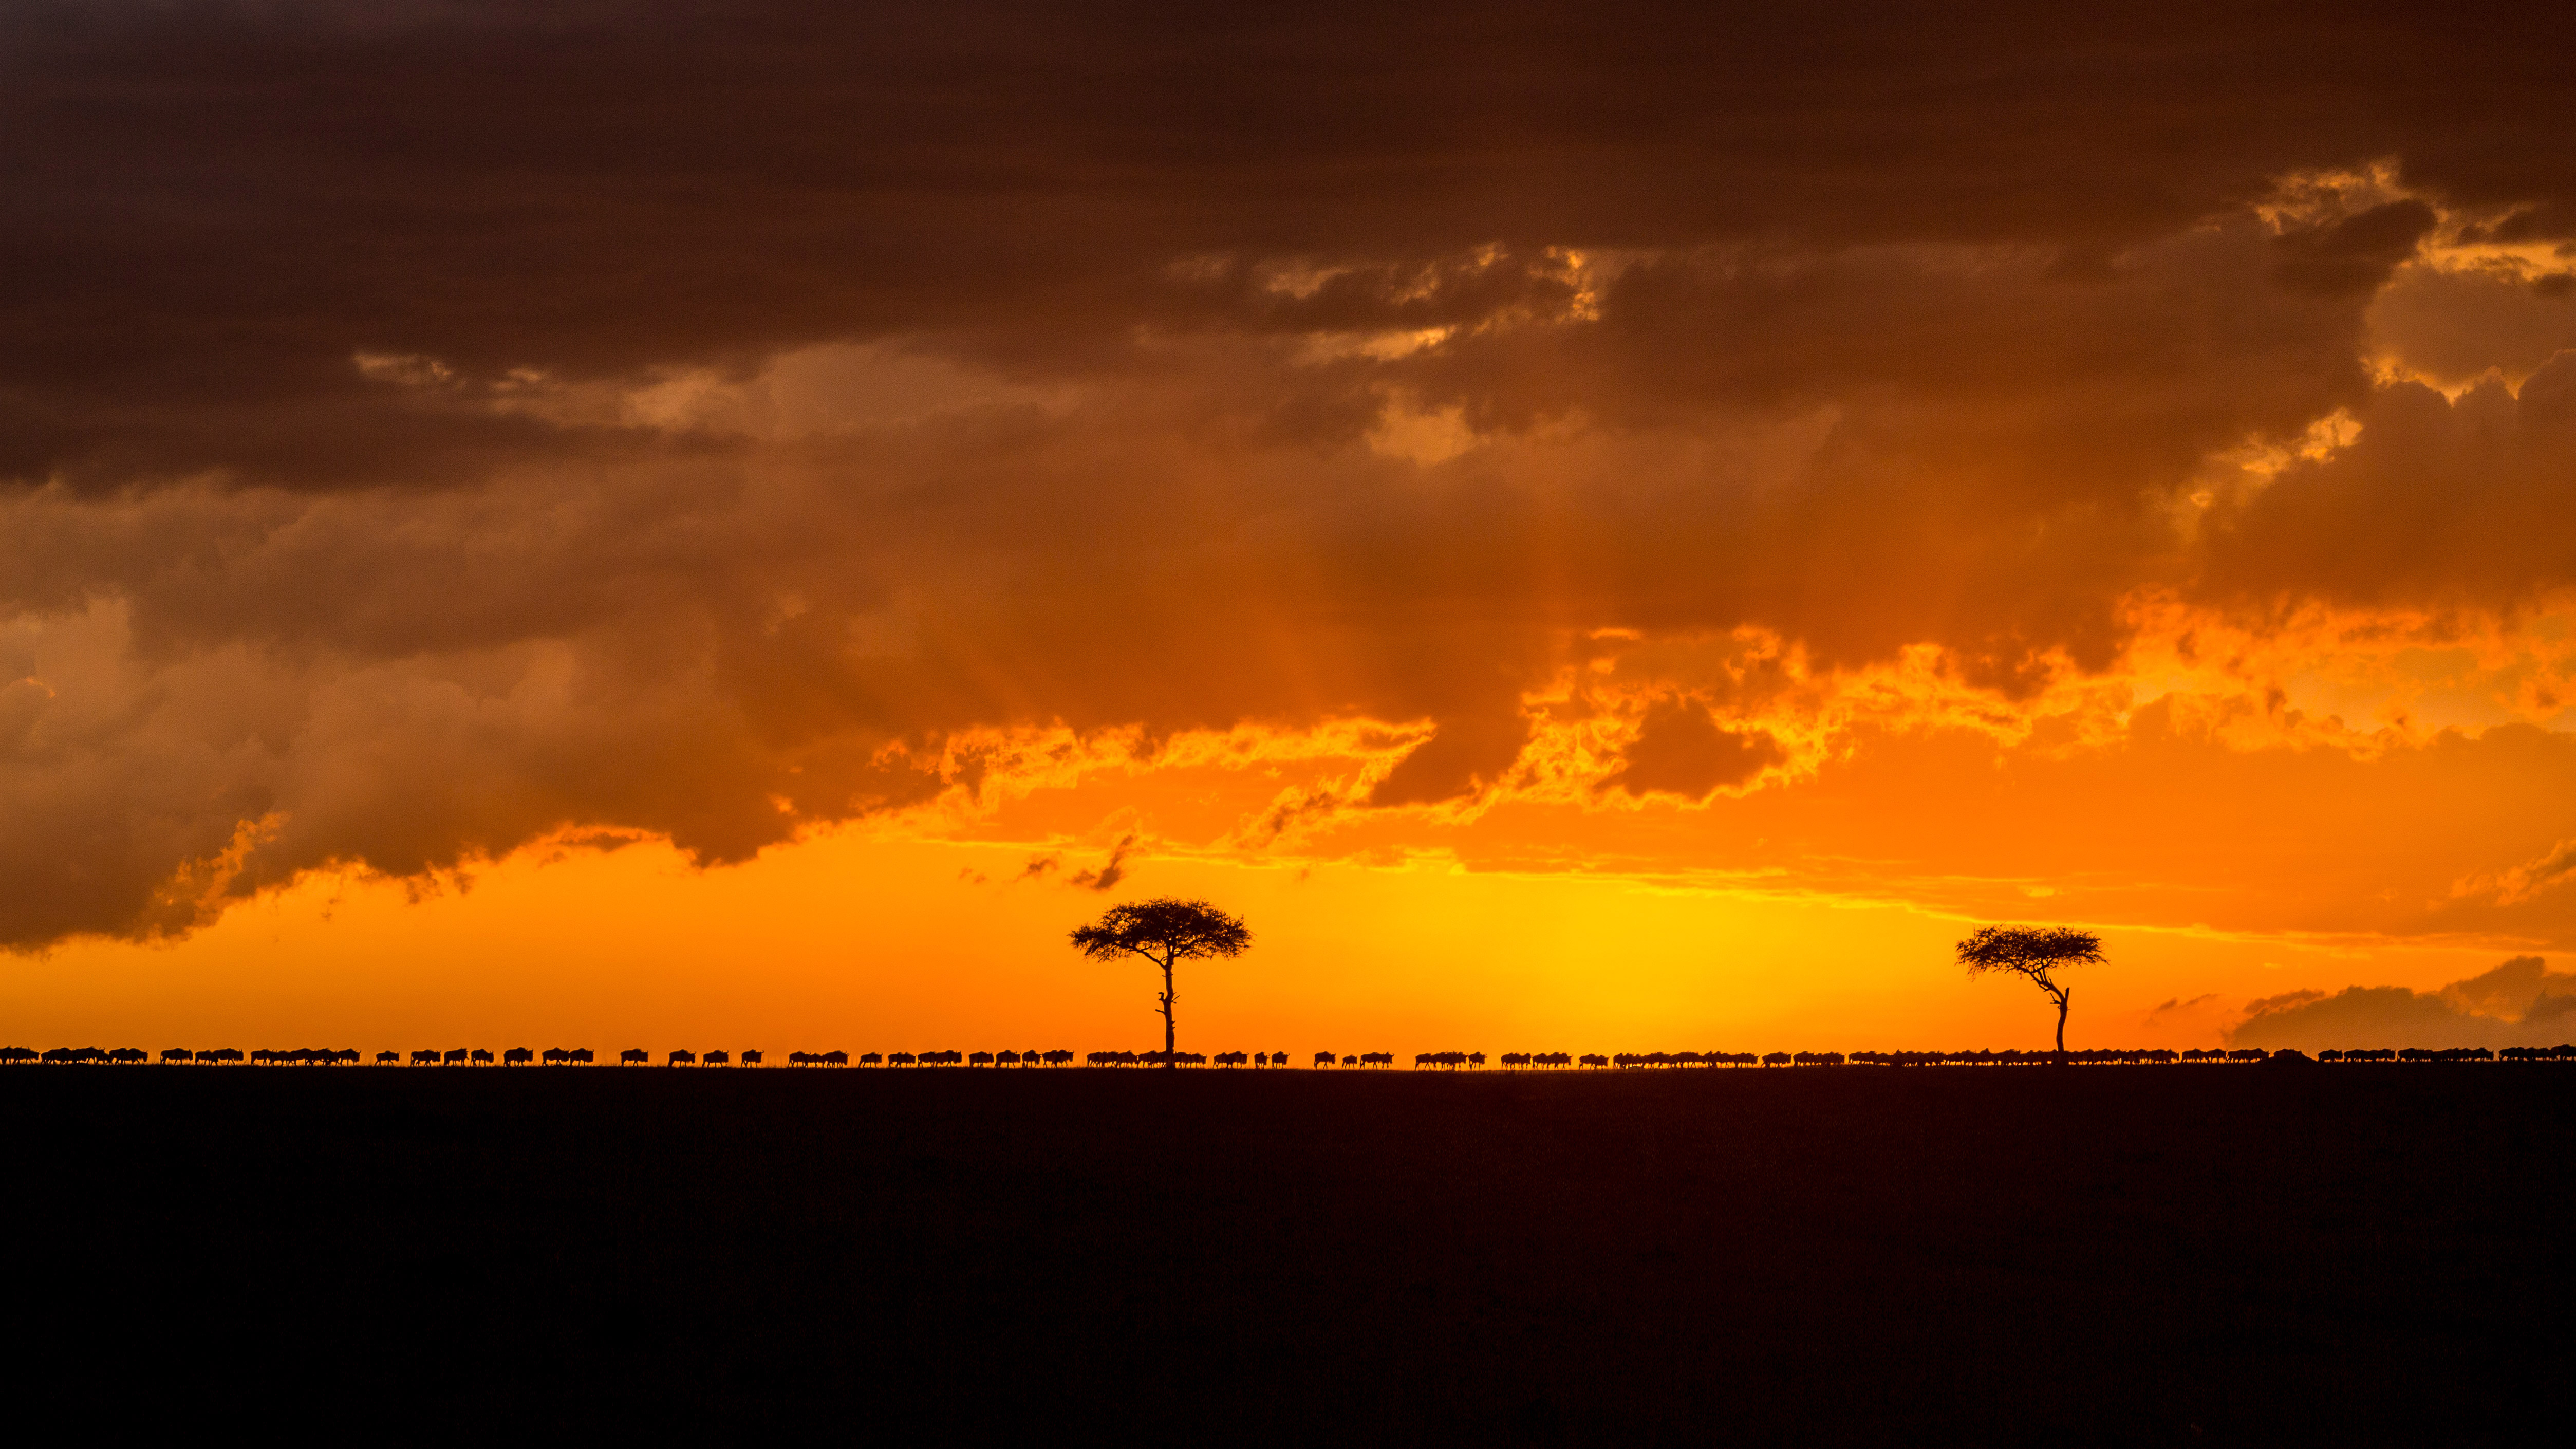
<point x="2150" y="1255"/>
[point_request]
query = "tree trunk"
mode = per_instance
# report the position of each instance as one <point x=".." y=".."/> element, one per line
<point x="1171" y="1058"/>
<point x="2062" y="998"/>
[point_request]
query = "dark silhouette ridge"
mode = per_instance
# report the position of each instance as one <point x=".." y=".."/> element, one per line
<point x="2350" y="1254"/>
<point x="1164" y="931"/>
<point x="2034" y="952"/>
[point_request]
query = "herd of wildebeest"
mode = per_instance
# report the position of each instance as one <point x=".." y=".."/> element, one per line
<point x="1422" y="1061"/>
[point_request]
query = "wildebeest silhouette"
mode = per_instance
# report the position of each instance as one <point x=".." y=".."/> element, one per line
<point x="983" y="1059"/>
<point x="424" y="1058"/>
<point x="836" y="1059"/>
<point x="1325" y="1059"/>
<point x="1058" y="1057"/>
<point x="751" y="1059"/>
<point x="481" y="1057"/>
<point x="1007" y="1059"/>
<point x="383" y="1058"/>
<point x="1350" y="1061"/>
<point x="454" y="1058"/>
<point x="178" y="1054"/>
<point x="900" y="1059"/>
<point x="1593" y="1059"/>
<point x="633" y="1056"/>
<point x="866" y="1059"/>
<point x="717" y="1059"/>
<point x="300" y="1057"/>
<point x="1377" y="1059"/>
<point x="517" y="1057"/>
<point x="1229" y="1059"/>
<point x="678" y="1057"/>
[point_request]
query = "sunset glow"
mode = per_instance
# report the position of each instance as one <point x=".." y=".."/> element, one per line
<point x="1606" y="563"/>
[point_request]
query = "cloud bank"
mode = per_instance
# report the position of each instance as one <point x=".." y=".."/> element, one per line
<point x="2520" y="1003"/>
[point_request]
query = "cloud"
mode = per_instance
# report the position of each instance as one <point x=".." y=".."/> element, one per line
<point x="2512" y="1005"/>
<point x="2510" y="990"/>
<point x="721" y="420"/>
<point x="2552" y="868"/>
<point x="1110" y="872"/>
<point x="1680" y="751"/>
<point x="2438" y="501"/>
<point x="2177" y="1005"/>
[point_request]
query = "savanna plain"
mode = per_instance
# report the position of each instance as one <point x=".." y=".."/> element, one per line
<point x="2220" y="1253"/>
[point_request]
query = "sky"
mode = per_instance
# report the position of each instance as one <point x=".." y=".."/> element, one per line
<point x="1616" y="527"/>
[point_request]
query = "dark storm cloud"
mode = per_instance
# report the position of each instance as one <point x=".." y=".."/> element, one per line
<point x="1681" y="751"/>
<point x="214" y="205"/>
<point x="2439" y="501"/>
<point x="402" y="402"/>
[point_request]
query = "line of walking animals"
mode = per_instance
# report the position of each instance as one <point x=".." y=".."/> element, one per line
<point x="1422" y="1061"/>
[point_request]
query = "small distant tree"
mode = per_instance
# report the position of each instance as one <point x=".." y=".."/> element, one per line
<point x="1165" y="932"/>
<point x="2035" y="952"/>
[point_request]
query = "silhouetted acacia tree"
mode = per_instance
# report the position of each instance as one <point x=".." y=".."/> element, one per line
<point x="2033" y="951"/>
<point x="1166" y="932"/>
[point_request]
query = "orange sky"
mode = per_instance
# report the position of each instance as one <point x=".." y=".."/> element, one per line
<point x="1596" y="546"/>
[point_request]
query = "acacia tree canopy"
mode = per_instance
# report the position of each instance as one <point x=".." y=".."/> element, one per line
<point x="2029" y="950"/>
<point x="1163" y="931"/>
